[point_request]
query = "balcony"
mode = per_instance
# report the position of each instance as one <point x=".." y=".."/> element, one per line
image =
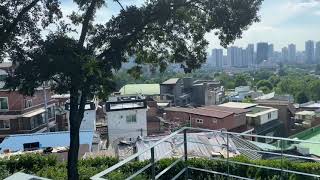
<point x="221" y="151"/>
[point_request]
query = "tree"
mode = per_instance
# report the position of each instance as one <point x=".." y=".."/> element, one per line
<point x="241" y="80"/>
<point x="159" y="33"/>
<point x="274" y="80"/>
<point x="317" y="70"/>
<point x="265" y="89"/>
<point x="19" y="29"/>
<point x="301" y="97"/>
<point x="264" y="83"/>
<point x="314" y="90"/>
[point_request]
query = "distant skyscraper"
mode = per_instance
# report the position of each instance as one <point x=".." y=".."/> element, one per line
<point x="309" y="51"/>
<point x="217" y="57"/>
<point x="262" y="52"/>
<point x="284" y="54"/>
<point x="250" y="54"/>
<point x="292" y="52"/>
<point x="317" y="53"/>
<point x="232" y="54"/>
<point x="270" y="51"/>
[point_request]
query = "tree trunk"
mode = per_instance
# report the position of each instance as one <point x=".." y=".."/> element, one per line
<point x="75" y="118"/>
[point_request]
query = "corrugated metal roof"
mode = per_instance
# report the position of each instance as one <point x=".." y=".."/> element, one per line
<point x="145" y="89"/>
<point x="199" y="145"/>
<point x="171" y="81"/>
<point x="51" y="139"/>
<point x="24" y="176"/>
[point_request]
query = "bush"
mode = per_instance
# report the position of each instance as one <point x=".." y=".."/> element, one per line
<point x="49" y="167"/>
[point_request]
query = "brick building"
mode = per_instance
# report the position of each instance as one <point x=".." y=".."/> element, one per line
<point x="25" y="114"/>
<point x="209" y="117"/>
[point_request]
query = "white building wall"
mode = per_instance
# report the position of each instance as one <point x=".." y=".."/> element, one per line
<point x="119" y="128"/>
<point x="88" y="122"/>
<point x="264" y="118"/>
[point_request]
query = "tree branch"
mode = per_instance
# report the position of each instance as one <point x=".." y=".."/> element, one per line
<point x="85" y="24"/>
<point x="119" y="4"/>
<point x="7" y="31"/>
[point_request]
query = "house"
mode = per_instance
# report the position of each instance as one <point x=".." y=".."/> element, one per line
<point x="172" y="90"/>
<point x="126" y="117"/>
<point x="89" y="117"/>
<point x="305" y="118"/>
<point x="241" y="93"/>
<point x="209" y="117"/>
<point x="286" y="112"/>
<point x="262" y="119"/>
<point x="21" y="114"/>
<point x="309" y="106"/>
<point x="187" y="91"/>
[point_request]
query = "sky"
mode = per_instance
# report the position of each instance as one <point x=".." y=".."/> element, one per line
<point x="282" y="22"/>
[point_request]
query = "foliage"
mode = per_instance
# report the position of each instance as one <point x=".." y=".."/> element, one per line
<point x="240" y="80"/>
<point x="157" y="33"/>
<point x="317" y="70"/>
<point x="92" y="166"/>
<point x="4" y="172"/>
<point x="301" y="97"/>
<point x="24" y="19"/>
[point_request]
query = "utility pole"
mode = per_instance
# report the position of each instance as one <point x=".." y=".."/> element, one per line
<point x="45" y="106"/>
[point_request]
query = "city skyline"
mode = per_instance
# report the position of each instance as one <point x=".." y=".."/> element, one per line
<point x="296" y="21"/>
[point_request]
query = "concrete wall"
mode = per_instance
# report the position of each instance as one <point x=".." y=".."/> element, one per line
<point x="118" y="127"/>
<point x="264" y="118"/>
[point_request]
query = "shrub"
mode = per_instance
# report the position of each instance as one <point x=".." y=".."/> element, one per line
<point x="49" y="167"/>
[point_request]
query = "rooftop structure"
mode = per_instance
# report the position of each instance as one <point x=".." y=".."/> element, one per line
<point x="145" y="89"/>
<point x="171" y="81"/>
<point x="313" y="135"/>
<point x="23" y="142"/>
<point x="238" y="105"/>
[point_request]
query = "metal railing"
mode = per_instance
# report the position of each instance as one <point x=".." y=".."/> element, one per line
<point x="280" y="153"/>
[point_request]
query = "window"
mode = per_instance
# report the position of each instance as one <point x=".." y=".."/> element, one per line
<point x="131" y="118"/>
<point x="36" y="121"/>
<point x="4" y="103"/>
<point x="269" y="115"/>
<point x="27" y="103"/>
<point x="200" y="121"/>
<point x="4" y="124"/>
<point x="50" y="112"/>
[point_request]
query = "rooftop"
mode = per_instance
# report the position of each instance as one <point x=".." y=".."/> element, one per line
<point x="50" y="139"/>
<point x="306" y="113"/>
<point x="313" y="135"/>
<point x="145" y="89"/>
<point x="202" y="112"/>
<point x="171" y="81"/>
<point x="260" y="110"/>
<point x="227" y="109"/>
<point x="238" y="105"/>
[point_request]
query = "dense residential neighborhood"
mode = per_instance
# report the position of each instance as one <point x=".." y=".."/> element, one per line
<point x="159" y="89"/>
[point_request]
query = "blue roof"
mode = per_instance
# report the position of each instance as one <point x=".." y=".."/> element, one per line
<point x="50" y="139"/>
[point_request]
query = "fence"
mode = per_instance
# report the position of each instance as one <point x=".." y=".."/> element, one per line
<point x="229" y="138"/>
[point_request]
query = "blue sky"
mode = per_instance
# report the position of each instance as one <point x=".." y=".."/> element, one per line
<point x="282" y="22"/>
